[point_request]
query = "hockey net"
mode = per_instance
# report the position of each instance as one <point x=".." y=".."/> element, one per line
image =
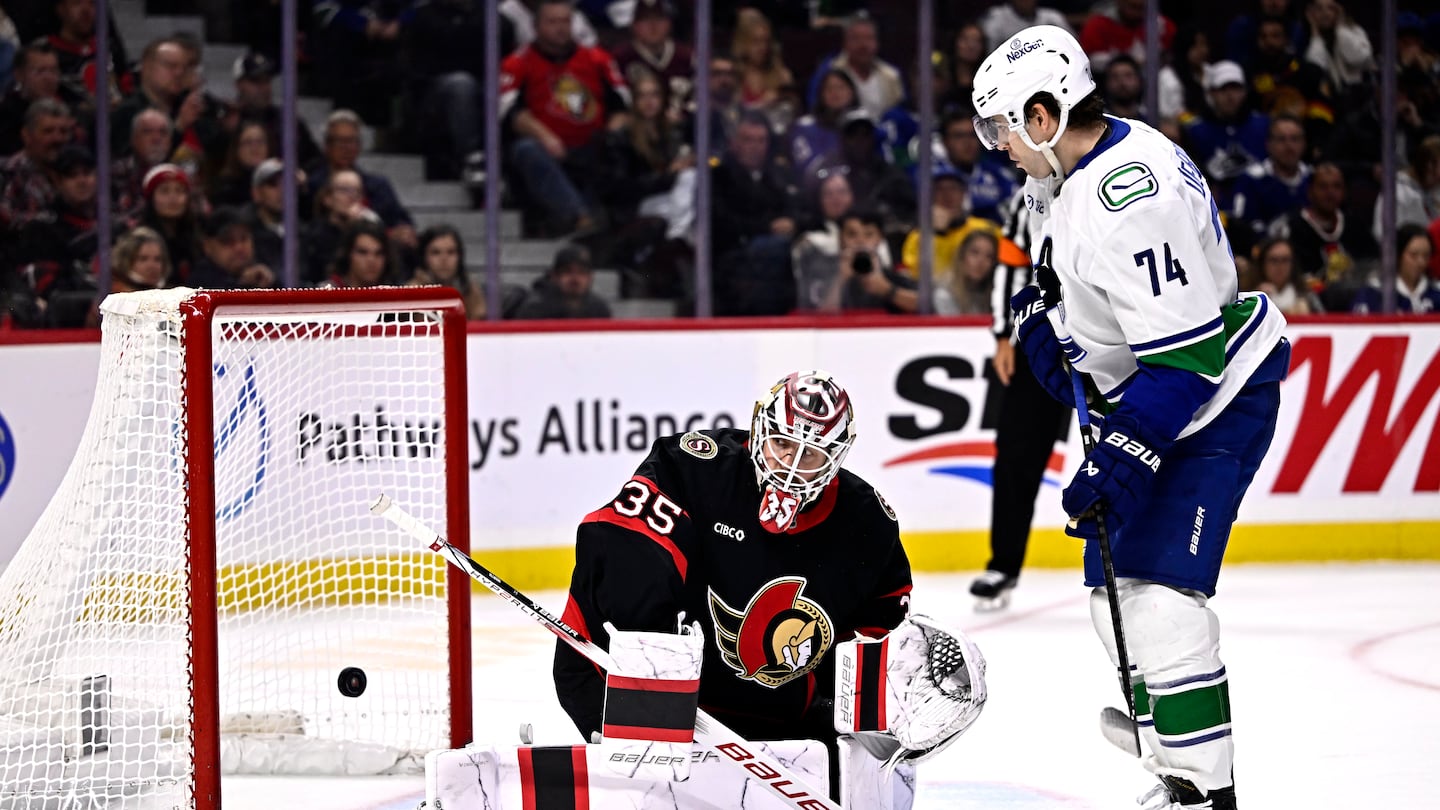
<point x="208" y="568"/>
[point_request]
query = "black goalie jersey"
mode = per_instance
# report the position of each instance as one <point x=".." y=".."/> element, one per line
<point x="683" y="534"/>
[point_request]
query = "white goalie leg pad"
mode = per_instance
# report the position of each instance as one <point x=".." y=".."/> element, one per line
<point x="485" y="777"/>
<point x="652" y="692"/>
<point x="1183" y="709"/>
<point x="866" y="782"/>
<point x="922" y="685"/>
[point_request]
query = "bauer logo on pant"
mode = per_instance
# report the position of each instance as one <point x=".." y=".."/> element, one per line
<point x="778" y="637"/>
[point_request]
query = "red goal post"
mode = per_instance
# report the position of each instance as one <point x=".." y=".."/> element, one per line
<point x="208" y="568"/>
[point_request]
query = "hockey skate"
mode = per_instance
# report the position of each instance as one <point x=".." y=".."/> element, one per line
<point x="992" y="591"/>
<point x="1174" y="793"/>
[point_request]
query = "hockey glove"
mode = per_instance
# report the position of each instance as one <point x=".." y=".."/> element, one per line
<point x="1116" y="477"/>
<point x="1042" y="349"/>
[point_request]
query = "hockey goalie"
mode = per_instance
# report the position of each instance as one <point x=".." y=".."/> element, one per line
<point x="792" y="589"/>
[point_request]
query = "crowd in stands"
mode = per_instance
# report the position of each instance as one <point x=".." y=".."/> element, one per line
<point x="814" y="149"/>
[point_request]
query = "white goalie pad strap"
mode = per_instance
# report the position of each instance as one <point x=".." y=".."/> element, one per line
<point x="922" y="685"/>
<point x="652" y="692"/>
<point x="484" y="777"/>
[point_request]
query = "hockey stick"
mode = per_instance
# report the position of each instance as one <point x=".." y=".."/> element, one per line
<point x="1130" y="745"/>
<point x="709" y="732"/>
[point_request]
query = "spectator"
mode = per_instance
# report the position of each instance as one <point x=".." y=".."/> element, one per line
<point x="565" y="292"/>
<point x="1327" y="250"/>
<point x="29" y="175"/>
<point x="151" y="134"/>
<point x="265" y="213"/>
<point x="820" y="241"/>
<point x="1009" y="18"/>
<point x="254" y="74"/>
<point x="9" y="46"/>
<point x="1417" y="189"/>
<point x="339" y="204"/>
<point x="342" y="153"/>
<point x="139" y="262"/>
<point x="990" y="184"/>
<point x="879" y="186"/>
<point x="216" y="124"/>
<point x="653" y="49"/>
<point x="725" y="108"/>
<point x="860" y="277"/>
<point x="446" y="65"/>
<point x="1182" y="81"/>
<point x="170" y="210"/>
<point x="1273" y="189"/>
<point x="879" y="83"/>
<point x="557" y="97"/>
<point x="355" y="46"/>
<point x="49" y="257"/>
<point x="168" y="84"/>
<point x="1111" y="31"/>
<point x="524" y="17"/>
<point x="1337" y="46"/>
<point x="363" y="257"/>
<point x="37" y="76"/>
<point x="1243" y="32"/>
<point x="1231" y="138"/>
<point x="1281" y="84"/>
<point x="762" y="70"/>
<point x="249" y="147"/>
<point x="951" y="219"/>
<point x="1415" y="293"/>
<point x="1124" y="88"/>
<point x="956" y="78"/>
<point x="227" y="260"/>
<point x="1274" y="274"/>
<point x="442" y="263"/>
<point x="74" y="43"/>
<point x="817" y="134"/>
<point x="753" y="221"/>
<point x="967" y="286"/>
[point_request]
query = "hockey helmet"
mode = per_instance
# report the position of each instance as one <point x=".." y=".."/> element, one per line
<point x="1042" y="58"/>
<point x="808" y="424"/>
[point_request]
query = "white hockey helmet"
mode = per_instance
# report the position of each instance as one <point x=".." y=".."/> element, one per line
<point x="1042" y="58"/>
<point x="806" y="418"/>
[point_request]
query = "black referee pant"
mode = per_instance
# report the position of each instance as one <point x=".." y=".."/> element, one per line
<point x="1029" y="422"/>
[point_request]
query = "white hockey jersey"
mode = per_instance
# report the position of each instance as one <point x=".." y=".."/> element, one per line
<point x="1146" y="270"/>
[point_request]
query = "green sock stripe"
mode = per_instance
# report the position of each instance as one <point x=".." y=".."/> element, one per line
<point x="1142" y="698"/>
<point x="1193" y="710"/>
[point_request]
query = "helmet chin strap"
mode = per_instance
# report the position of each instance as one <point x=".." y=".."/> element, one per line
<point x="1048" y="148"/>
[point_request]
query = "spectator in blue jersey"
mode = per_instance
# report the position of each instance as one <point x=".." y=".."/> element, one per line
<point x="1273" y="189"/>
<point x="1415" y="292"/>
<point x="1231" y="138"/>
<point x="989" y="182"/>
<point x="880" y="84"/>
<point x="814" y="135"/>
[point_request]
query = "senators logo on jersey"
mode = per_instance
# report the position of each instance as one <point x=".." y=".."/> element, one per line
<point x="778" y="637"/>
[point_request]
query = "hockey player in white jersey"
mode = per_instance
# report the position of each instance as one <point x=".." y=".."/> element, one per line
<point x="1182" y="370"/>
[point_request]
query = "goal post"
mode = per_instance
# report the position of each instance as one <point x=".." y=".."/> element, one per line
<point x="207" y="591"/>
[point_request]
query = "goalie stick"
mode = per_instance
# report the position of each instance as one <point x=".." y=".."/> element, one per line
<point x="709" y="732"/>
<point x="1082" y="412"/>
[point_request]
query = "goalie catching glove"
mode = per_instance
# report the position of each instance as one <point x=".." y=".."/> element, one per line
<point x="907" y="696"/>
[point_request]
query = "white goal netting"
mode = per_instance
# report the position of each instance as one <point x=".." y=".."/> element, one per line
<point x="106" y="617"/>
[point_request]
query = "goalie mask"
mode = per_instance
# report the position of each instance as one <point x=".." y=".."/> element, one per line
<point x="1041" y="58"/>
<point x="799" y="436"/>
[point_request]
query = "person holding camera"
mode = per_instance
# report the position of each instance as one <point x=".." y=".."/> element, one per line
<point x="861" y="277"/>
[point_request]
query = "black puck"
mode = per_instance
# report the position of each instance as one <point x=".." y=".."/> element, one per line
<point x="352" y="682"/>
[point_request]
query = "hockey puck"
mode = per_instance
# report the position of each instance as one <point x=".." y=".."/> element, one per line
<point x="352" y="682"/>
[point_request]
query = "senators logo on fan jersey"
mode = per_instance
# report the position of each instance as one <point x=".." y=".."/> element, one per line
<point x="778" y="637"/>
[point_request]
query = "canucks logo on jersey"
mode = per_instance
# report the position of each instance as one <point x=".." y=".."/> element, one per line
<point x="778" y="637"/>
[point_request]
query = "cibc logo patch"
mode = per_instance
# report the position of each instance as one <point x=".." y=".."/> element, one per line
<point x="7" y="455"/>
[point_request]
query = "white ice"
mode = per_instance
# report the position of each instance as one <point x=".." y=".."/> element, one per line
<point x="1334" y="675"/>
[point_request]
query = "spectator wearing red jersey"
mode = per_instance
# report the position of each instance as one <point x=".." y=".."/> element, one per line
<point x="1120" y="29"/>
<point x="74" y="43"/>
<point x="556" y="96"/>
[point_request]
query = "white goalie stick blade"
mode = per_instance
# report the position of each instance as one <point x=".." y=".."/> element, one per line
<point x="1120" y="730"/>
<point x="709" y="732"/>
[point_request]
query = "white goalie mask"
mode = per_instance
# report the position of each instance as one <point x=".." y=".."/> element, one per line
<point x="1042" y="58"/>
<point x="801" y="431"/>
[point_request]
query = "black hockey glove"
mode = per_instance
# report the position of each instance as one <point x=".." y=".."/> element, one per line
<point x="1037" y="339"/>
<point x="1116" y="476"/>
